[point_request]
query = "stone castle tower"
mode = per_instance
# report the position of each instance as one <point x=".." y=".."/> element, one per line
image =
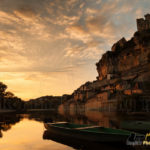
<point x="143" y="24"/>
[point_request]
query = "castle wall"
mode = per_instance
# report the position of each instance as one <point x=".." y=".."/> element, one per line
<point x="143" y="24"/>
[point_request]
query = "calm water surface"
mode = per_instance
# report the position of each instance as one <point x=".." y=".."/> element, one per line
<point x="27" y="132"/>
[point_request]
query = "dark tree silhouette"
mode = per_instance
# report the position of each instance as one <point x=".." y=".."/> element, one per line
<point x="8" y="100"/>
<point x="3" y="88"/>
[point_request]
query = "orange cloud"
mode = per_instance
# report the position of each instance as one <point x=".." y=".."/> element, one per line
<point x="7" y="18"/>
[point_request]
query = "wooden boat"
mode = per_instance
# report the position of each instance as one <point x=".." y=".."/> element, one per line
<point x="88" y="132"/>
<point x="81" y="144"/>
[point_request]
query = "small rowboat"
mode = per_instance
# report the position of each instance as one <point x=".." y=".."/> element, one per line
<point x="81" y="144"/>
<point x="89" y="132"/>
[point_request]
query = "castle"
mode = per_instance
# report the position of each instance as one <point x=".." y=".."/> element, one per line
<point x="143" y="24"/>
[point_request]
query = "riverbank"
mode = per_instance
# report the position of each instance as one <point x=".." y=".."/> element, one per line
<point x="39" y="110"/>
<point x="7" y="111"/>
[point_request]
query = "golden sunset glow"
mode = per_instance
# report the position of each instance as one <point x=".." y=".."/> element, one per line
<point x="25" y="140"/>
<point x="50" y="47"/>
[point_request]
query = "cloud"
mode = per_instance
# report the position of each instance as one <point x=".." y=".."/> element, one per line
<point x="25" y="12"/>
<point x="10" y="40"/>
<point x="64" y="13"/>
<point x="93" y="43"/>
<point x="91" y="11"/>
<point x="7" y="18"/>
<point x="78" y="32"/>
<point x="98" y="1"/>
<point x="100" y="26"/>
<point x="32" y="23"/>
<point x="89" y="50"/>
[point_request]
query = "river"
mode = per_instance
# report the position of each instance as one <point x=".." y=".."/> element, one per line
<point x="26" y="131"/>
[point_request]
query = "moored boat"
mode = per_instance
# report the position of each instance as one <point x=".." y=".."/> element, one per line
<point x="89" y="132"/>
<point x="82" y="144"/>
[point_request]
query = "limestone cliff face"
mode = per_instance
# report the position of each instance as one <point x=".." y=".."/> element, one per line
<point x="129" y="65"/>
<point x="123" y="82"/>
<point x="123" y="59"/>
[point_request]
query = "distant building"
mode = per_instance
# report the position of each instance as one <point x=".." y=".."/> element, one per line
<point x="143" y="24"/>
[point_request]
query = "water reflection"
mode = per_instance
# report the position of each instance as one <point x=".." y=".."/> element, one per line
<point x="80" y="144"/>
<point x="7" y="121"/>
<point x="111" y="120"/>
<point x="25" y="131"/>
<point x="1" y="134"/>
<point x="27" y="134"/>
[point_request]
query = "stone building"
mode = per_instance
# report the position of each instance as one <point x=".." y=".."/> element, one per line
<point x="143" y="24"/>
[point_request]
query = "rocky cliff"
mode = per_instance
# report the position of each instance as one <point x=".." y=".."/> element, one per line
<point x="125" y="57"/>
<point x="128" y="64"/>
<point x="123" y="82"/>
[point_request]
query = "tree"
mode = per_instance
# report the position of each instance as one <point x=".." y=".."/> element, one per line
<point x="3" y="88"/>
<point x="8" y="95"/>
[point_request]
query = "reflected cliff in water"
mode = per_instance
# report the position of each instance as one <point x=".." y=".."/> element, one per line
<point x="18" y="127"/>
<point x="110" y="120"/>
<point x="138" y="123"/>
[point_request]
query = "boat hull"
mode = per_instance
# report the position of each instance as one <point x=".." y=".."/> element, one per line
<point x="88" y="136"/>
<point x="82" y="144"/>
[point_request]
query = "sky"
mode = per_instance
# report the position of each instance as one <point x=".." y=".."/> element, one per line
<point x="50" y="47"/>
